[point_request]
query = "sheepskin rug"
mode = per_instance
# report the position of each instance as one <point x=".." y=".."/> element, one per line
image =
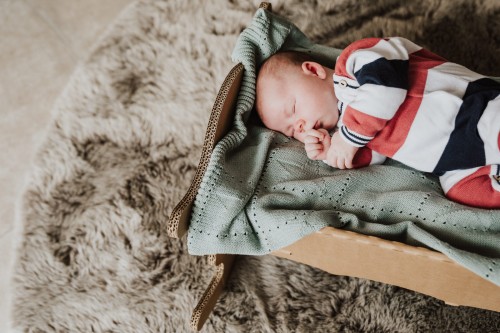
<point x="124" y="146"/>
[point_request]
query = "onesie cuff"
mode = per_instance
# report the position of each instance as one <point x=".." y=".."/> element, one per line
<point x="353" y="138"/>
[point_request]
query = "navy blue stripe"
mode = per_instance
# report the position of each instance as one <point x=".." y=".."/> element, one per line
<point x="348" y="85"/>
<point x="346" y="134"/>
<point x="356" y="136"/>
<point x="389" y="73"/>
<point x="465" y="148"/>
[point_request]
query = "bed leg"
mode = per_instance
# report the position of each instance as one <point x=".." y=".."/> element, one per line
<point x="223" y="264"/>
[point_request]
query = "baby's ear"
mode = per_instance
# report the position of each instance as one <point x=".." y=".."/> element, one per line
<point x="313" y="68"/>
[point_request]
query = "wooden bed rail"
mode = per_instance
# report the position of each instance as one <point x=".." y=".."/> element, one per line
<point x="415" y="268"/>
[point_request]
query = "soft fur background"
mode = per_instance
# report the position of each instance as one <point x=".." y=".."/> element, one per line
<point x="125" y="144"/>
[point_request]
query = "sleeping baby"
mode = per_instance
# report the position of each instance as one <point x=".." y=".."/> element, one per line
<point x="388" y="97"/>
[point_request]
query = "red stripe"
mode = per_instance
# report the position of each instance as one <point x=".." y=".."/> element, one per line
<point x="476" y="190"/>
<point x="362" y="123"/>
<point x="390" y="139"/>
<point x="362" y="158"/>
<point x="424" y="56"/>
<point x="340" y="65"/>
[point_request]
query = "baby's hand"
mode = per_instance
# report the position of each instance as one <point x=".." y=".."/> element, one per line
<point x="340" y="154"/>
<point x="317" y="143"/>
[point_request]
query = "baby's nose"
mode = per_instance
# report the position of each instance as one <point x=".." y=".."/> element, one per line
<point x="300" y="126"/>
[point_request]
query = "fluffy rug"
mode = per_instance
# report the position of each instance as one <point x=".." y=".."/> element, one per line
<point x="125" y="143"/>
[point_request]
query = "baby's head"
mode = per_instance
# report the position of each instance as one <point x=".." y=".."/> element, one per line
<point x="295" y="94"/>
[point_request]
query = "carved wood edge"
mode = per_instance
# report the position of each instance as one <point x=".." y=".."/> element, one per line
<point x="219" y="122"/>
<point x="223" y="264"/>
<point x="266" y="6"/>
<point x="177" y="224"/>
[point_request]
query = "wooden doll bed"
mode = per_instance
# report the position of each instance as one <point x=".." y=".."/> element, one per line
<point x="415" y="268"/>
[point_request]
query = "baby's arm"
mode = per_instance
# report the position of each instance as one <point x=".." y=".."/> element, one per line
<point x="319" y="146"/>
<point x="333" y="151"/>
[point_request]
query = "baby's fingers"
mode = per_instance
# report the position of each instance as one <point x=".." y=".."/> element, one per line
<point x="311" y="140"/>
<point x="313" y="146"/>
<point x="316" y="154"/>
<point x="315" y="133"/>
<point x="348" y="163"/>
<point x="324" y="132"/>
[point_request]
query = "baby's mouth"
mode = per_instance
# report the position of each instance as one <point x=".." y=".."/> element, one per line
<point x="318" y="125"/>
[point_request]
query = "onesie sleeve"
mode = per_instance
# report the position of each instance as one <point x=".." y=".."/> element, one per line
<point x="371" y="77"/>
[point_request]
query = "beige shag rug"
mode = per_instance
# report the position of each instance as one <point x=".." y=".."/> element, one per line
<point x="125" y="143"/>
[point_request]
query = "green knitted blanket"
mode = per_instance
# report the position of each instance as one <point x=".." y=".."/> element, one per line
<point x="261" y="192"/>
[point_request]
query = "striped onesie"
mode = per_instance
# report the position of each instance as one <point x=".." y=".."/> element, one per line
<point x="411" y="105"/>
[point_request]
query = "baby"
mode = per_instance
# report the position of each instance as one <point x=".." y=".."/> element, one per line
<point x="390" y="98"/>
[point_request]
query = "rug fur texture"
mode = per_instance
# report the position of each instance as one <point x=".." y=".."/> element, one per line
<point x="124" y="146"/>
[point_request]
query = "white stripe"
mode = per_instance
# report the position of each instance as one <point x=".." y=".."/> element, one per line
<point x="434" y="122"/>
<point x="396" y="48"/>
<point x="450" y="78"/>
<point x="489" y="130"/>
<point x="451" y="178"/>
<point x="378" y="101"/>
<point x="456" y="72"/>
<point x="345" y="94"/>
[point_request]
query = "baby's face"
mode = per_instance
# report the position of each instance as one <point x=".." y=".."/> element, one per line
<point x="301" y="101"/>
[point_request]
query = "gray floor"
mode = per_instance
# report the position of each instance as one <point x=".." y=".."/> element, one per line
<point x="42" y="41"/>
